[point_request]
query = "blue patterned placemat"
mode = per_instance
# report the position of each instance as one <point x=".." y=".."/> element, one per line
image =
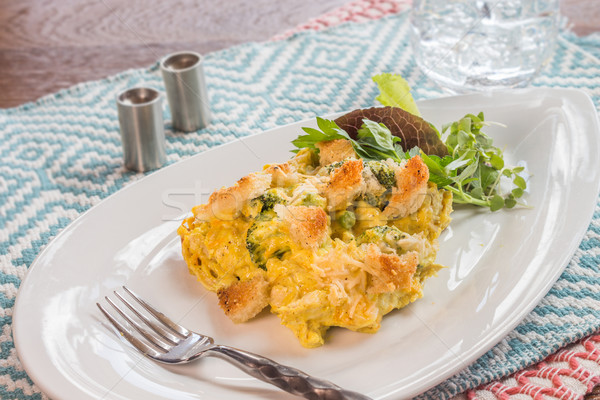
<point x="62" y="154"/>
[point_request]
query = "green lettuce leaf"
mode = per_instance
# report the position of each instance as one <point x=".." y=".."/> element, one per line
<point x="395" y="92"/>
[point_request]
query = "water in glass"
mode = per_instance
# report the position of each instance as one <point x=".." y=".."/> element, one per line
<point x="467" y="45"/>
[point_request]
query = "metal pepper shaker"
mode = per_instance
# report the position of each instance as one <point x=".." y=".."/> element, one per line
<point x="183" y="75"/>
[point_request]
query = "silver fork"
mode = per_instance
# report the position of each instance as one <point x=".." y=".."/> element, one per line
<point x="168" y="342"/>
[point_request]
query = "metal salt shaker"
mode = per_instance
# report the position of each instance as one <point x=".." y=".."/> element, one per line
<point x="142" y="128"/>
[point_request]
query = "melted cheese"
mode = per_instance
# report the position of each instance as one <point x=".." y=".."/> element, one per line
<point x="319" y="272"/>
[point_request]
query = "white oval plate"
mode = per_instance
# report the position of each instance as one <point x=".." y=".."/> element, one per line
<point x="500" y="265"/>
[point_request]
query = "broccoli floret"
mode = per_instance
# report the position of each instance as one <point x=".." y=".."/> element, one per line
<point x="259" y="237"/>
<point x="384" y="233"/>
<point x="312" y="200"/>
<point x="376" y="200"/>
<point x="334" y="166"/>
<point x="269" y="199"/>
<point x="384" y="174"/>
<point x="254" y="248"/>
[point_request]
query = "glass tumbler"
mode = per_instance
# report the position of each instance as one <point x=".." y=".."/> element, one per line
<point x="470" y="45"/>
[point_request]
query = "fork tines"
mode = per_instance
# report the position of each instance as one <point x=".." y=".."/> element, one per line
<point x="163" y="333"/>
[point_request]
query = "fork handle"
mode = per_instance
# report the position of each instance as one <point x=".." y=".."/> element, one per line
<point x="289" y="379"/>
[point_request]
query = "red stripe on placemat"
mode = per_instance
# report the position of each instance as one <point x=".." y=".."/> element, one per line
<point x="567" y="362"/>
<point x="356" y="11"/>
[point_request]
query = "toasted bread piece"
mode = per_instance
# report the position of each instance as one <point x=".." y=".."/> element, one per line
<point x="243" y="300"/>
<point x="344" y="184"/>
<point x="282" y="174"/>
<point x="410" y="190"/>
<point x="308" y="226"/>
<point x="225" y="203"/>
<point x="390" y="271"/>
<point x="333" y="151"/>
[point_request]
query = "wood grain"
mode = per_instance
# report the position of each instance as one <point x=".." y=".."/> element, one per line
<point x="47" y="45"/>
<point x="583" y="16"/>
<point x="594" y="394"/>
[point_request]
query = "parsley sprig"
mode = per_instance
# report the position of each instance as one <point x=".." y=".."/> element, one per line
<point x="474" y="169"/>
<point x="374" y="141"/>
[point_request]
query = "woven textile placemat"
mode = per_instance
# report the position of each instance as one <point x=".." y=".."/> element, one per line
<point x="62" y="154"/>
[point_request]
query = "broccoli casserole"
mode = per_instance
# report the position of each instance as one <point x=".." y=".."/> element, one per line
<point x="324" y="239"/>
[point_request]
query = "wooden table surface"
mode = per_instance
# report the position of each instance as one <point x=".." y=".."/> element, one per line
<point x="48" y="45"/>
